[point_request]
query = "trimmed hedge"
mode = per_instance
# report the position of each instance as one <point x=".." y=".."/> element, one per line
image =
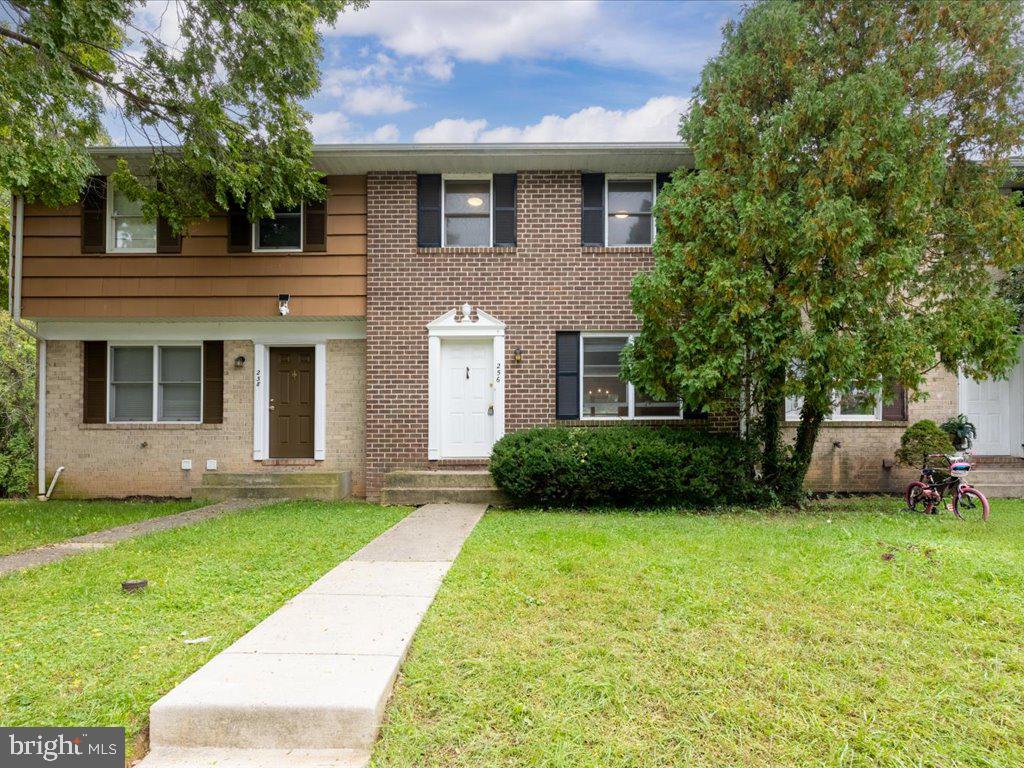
<point x="624" y="466"/>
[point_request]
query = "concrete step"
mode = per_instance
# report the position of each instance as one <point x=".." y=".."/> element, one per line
<point x="222" y="492"/>
<point x="411" y="496"/>
<point x="176" y="757"/>
<point x="255" y="479"/>
<point x="1000" y="490"/>
<point x="996" y="475"/>
<point x="429" y="478"/>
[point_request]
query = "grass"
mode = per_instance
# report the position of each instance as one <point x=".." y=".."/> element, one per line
<point x="25" y="524"/>
<point x="853" y="634"/>
<point x="76" y="650"/>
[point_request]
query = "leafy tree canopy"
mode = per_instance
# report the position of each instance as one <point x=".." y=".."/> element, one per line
<point x="846" y="213"/>
<point x="224" y="90"/>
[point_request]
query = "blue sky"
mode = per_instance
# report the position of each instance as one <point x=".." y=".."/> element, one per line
<point x="511" y="70"/>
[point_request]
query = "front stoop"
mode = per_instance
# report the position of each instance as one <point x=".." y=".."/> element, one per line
<point x="998" y="482"/>
<point x="440" y="486"/>
<point x="307" y="687"/>
<point x="328" y="486"/>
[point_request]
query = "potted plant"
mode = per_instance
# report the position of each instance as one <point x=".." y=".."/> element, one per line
<point x="960" y="431"/>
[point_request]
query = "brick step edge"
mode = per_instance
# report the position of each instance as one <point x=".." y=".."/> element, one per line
<point x="418" y="496"/>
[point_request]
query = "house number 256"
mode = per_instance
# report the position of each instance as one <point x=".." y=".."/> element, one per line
<point x="497" y="373"/>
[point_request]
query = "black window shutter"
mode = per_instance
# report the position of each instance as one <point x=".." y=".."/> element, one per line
<point x="213" y="382"/>
<point x="314" y="225"/>
<point x="428" y="210"/>
<point x="592" y="224"/>
<point x="94" y="382"/>
<point x="94" y="215"/>
<point x="239" y="230"/>
<point x="694" y="413"/>
<point x="661" y="180"/>
<point x="166" y="240"/>
<point x="504" y="209"/>
<point x="567" y="375"/>
<point x="895" y="408"/>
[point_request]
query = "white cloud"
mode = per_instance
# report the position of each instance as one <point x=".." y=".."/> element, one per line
<point x="616" y="33"/>
<point x="376" y="100"/>
<point x="333" y="127"/>
<point x="451" y="130"/>
<point x="656" y="120"/>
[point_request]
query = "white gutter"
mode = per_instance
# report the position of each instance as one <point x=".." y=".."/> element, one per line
<point x="14" y="273"/>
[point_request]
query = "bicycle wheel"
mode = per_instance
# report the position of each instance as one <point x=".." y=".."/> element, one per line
<point x="913" y="496"/>
<point x="971" y="505"/>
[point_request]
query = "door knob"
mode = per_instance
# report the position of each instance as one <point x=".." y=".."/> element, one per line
<point x="271" y="407"/>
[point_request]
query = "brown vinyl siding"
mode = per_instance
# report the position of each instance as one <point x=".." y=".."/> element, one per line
<point x="59" y="281"/>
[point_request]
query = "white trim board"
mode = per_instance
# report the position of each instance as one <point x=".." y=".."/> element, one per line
<point x="281" y="331"/>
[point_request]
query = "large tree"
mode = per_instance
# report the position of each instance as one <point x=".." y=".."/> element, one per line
<point x="845" y="217"/>
<point x="220" y="80"/>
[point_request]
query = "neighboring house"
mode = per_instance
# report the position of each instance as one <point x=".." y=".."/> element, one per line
<point x="442" y="296"/>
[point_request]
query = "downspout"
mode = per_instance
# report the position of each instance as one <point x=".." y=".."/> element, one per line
<point x="14" y="294"/>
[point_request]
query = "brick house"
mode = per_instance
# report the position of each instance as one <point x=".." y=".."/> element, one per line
<point x="442" y="296"/>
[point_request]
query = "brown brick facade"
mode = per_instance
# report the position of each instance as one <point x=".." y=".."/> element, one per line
<point x="547" y="283"/>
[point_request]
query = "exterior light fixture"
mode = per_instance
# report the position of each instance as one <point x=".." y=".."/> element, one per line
<point x="282" y="304"/>
<point x="517" y="354"/>
<point x="240" y="361"/>
<point x="475" y="201"/>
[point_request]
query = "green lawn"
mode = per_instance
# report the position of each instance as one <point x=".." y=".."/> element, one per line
<point x="76" y="650"/>
<point x="25" y="524"/>
<point x="854" y="634"/>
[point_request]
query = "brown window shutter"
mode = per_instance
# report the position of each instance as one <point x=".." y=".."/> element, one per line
<point x="94" y="378"/>
<point x="314" y="225"/>
<point x="213" y="382"/>
<point x="567" y="375"/>
<point x="94" y="215"/>
<point x="239" y="230"/>
<point x="428" y="210"/>
<point x="166" y="240"/>
<point x="894" y="408"/>
<point x="504" y="209"/>
<point x="592" y="213"/>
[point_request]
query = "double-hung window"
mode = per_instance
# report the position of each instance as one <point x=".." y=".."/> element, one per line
<point x="603" y="395"/>
<point x="127" y="229"/>
<point x="156" y="383"/>
<point x="281" y="232"/>
<point x="629" y="202"/>
<point x="466" y="212"/>
<point x="855" y="405"/>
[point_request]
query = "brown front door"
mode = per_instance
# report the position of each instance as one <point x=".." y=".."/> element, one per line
<point x="291" y="402"/>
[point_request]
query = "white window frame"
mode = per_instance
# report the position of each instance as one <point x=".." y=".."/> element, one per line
<point x="794" y="404"/>
<point x="155" y="346"/>
<point x="111" y="245"/>
<point x="653" y="177"/>
<point x="288" y="249"/>
<point x="630" y="388"/>
<point x="489" y="178"/>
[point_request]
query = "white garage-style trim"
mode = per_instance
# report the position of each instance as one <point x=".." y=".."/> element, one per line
<point x="463" y="322"/>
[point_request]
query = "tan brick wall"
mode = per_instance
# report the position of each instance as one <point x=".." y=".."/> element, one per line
<point x="130" y="460"/>
<point x="547" y="283"/>
<point x="856" y="463"/>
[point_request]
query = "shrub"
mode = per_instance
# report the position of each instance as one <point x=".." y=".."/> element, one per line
<point x="627" y="465"/>
<point x="17" y="410"/>
<point x="920" y="439"/>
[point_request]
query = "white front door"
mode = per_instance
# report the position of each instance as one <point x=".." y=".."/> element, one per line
<point x="996" y="408"/>
<point x="467" y="398"/>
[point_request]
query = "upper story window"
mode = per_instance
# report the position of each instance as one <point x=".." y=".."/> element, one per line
<point x="160" y="380"/>
<point x="467" y="212"/>
<point x="605" y="395"/>
<point x="283" y="232"/>
<point x="127" y="230"/>
<point x="629" y="202"/>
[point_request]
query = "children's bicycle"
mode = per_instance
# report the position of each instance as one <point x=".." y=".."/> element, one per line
<point x="925" y="495"/>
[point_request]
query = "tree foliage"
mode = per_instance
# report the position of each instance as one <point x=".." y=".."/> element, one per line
<point x="223" y="90"/>
<point x="846" y="212"/>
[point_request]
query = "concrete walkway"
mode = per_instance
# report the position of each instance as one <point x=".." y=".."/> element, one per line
<point x="307" y="687"/>
<point x="51" y="553"/>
